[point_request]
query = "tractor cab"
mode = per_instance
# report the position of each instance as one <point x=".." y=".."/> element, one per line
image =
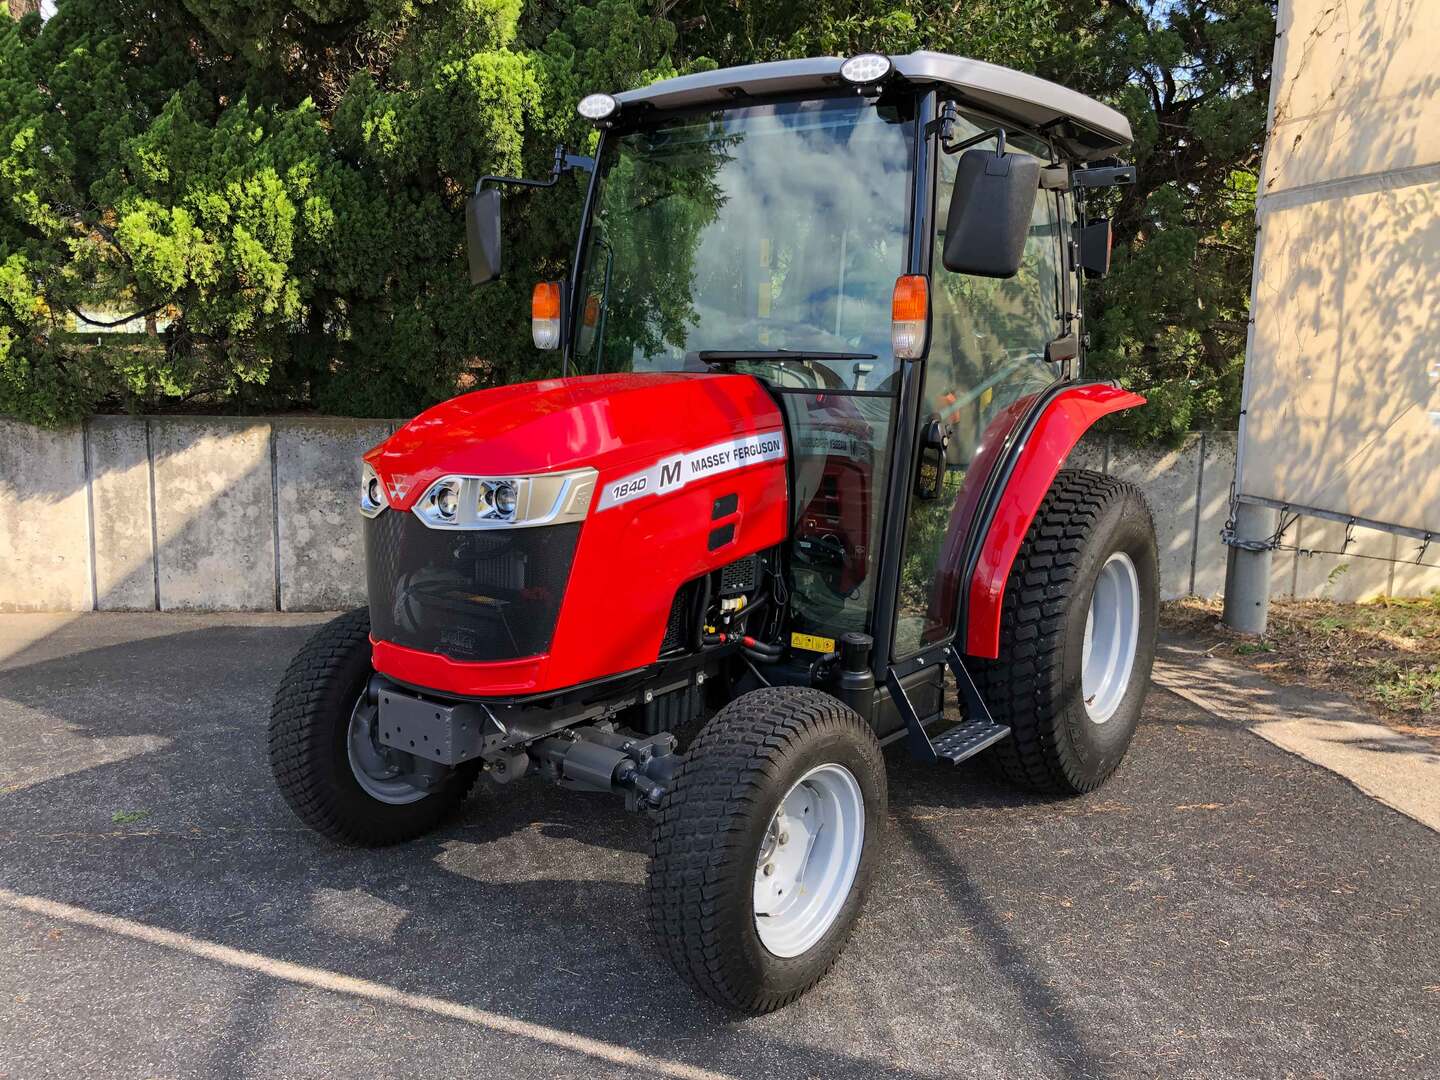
<point x="799" y="474"/>
<point x="846" y="234"/>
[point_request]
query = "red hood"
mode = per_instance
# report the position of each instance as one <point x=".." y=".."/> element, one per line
<point x="607" y="422"/>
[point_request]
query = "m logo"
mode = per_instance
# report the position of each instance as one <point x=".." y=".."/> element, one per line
<point x="670" y="473"/>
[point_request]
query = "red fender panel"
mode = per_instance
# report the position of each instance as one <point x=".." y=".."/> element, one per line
<point x="1068" y="416"/>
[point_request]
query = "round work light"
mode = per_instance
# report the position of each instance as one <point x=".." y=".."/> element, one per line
<point x="866" y="69"/>
<point x="498" y="500"/>
<point x="597" y="107"/>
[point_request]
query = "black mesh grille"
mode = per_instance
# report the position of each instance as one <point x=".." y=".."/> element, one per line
<point x="739" y="576"/>
<point x="679" y="621"/>
<point x="469" y="595"/>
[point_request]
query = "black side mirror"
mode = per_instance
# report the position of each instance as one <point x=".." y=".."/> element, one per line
<point x="482" y="235"/>
<point x="1094" y="241"/>
<point x="990" y="210"/>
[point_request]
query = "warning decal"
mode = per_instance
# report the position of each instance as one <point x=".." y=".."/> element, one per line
<point x="671" y="474"/>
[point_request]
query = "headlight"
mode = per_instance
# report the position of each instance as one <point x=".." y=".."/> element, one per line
<point x="372" y="492"/>
<point x="445" y="500"/>
<point x="505" y="502"/>
<point x="499" y="499"/>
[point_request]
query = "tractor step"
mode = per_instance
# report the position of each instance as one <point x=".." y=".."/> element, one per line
<point x="967" y="739"/>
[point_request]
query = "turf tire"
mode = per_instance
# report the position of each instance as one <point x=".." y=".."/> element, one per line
<point x="308" y="725"/>
<point x="710" y="827"/>
<point x="1034" y="686"/>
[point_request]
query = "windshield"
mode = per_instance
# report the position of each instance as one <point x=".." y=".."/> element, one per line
<point x="772" y="229"/>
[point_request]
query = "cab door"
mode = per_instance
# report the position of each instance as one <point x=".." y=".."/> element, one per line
<point x="986" y="361"/>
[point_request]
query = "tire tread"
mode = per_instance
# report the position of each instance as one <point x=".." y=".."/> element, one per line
<point x="1022" y="688"/>
<point x="299" y="736"/>
<point x="699" y="833"/>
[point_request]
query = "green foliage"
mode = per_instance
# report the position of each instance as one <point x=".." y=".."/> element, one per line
<point x="283" y="182"/>
<point x="1194" y="78"/>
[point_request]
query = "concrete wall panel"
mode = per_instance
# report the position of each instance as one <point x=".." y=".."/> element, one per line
<point x="1342" y="391"/>
<point x="44" y="527"/>
<point x="1218" y="469"/>
<point x="214" y="507"/>
<point x="218" y="484"/>
<point x="1169" y="480"/>
<point x="1411" y="579"/>
<point x="317" y="473"/>
<point x="1343" y="378"/>
<point x="1359" y="574"/>
<point x="121" y="498"/>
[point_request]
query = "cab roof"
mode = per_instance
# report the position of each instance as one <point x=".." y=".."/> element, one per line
<point x="1083" y="126"/>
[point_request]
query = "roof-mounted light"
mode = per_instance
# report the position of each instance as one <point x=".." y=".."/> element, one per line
<point x="597" y="107"/>
<point x="866" y="69"/>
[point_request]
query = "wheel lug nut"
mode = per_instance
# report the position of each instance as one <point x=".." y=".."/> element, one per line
<point x="784" y="838"/>
<point x="769" y="869"/>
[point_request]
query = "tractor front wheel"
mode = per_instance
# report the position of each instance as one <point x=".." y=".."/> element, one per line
<point x="764" y="846"/>
<point x="1077" y="636"/>
<point x="323" y="753"/>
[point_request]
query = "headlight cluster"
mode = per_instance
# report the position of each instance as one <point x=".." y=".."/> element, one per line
<point x="490" y="502"/>
<point x="495" y="501"/>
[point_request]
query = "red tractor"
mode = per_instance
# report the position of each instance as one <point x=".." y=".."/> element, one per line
<point x="821" y="346"/>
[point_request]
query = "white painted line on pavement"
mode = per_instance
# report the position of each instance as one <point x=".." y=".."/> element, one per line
<point x="331" y="981"/>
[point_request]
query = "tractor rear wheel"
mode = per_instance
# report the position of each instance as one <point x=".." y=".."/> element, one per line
<point x="764" y="846"/>
<point x="323" y="754"/>
<point x="1077" y="636"/>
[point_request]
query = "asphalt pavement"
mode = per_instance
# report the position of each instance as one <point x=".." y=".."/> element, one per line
<point x="1223" y="908"/>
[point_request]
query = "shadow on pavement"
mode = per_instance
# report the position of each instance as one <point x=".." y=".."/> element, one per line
<point x="530" y="904"/>
<point x="1189" y="919"/>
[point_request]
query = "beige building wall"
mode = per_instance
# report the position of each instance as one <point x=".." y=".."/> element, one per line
<point x="1342" y="409"/>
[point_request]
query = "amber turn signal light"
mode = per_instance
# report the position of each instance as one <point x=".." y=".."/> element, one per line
<point x="545" y="315"/>
<point x="910" y="316"/>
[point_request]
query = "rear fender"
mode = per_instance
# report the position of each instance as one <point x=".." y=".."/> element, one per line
<point x="1043" y="441"/>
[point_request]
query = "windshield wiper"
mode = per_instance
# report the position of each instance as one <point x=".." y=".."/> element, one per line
<point x="706" y="356"/>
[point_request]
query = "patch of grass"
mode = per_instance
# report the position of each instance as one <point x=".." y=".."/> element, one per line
<point x="1383" y="652"/>
<point x="128" y="817"/>
<point x="1250" y="648"/>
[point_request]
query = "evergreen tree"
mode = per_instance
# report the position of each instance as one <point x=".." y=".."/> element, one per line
<point x="282" y="183"/>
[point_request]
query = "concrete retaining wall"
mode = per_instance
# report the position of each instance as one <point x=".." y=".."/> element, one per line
<point x="196" y="513"/>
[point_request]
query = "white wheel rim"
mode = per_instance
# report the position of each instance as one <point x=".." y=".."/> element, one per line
<point x="1112" y="632"/>
<point x="376" y="776"/>
<point x="808" y="860"/>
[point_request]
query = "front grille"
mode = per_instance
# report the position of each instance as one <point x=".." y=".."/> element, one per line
<point x="474" y="595"/>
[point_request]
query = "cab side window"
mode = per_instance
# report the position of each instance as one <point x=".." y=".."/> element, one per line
<point x="988" y="337"/>
<point x="987" y="351"/>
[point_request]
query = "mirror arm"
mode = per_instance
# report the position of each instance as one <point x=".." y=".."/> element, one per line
<point x="564" y="162"/>
<point x="998" y="134"/>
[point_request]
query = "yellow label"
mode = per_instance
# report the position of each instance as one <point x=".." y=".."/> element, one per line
<point x="812" y="642"/>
